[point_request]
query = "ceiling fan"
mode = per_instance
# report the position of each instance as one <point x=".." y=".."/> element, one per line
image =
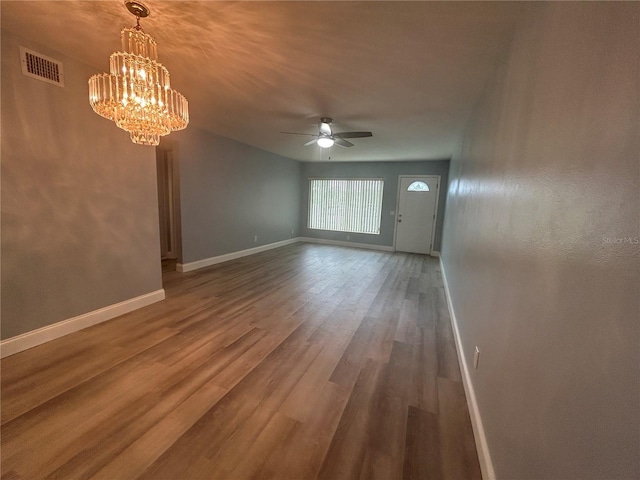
<point x="326" y="138"/>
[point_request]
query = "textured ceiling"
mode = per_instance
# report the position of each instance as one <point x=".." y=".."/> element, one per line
<point x="410" y="72"/>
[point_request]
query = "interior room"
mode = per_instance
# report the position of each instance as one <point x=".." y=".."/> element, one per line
<point x="352" y="240"/>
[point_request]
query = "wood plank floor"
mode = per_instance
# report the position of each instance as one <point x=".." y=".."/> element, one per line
<point x="304" y="362"/>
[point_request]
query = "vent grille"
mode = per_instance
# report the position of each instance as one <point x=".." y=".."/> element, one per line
<point x="41" y="67"/>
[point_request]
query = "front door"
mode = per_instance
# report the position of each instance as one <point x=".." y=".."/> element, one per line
<point x="417" y="200"/>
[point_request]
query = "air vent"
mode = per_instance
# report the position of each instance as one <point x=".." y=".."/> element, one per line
<point x="41" y="67"/>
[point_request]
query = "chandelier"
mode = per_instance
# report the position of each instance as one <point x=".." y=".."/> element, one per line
<point x="136" y="94"/>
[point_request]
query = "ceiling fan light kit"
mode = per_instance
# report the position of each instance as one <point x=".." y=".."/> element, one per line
<point x="326" y="138"/>
<point x="137" y="93"/>
<point x="325" y="142"/>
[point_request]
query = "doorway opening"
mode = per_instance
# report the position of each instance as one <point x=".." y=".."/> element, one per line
<point x="168" y="205"/>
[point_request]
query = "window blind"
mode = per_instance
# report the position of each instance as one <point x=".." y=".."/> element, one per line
<point x="345" y="205"/>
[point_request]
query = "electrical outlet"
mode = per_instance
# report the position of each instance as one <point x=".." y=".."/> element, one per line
<point x="255" y="239"/>
<point x="476" y="357"/>
<point x="292" y="232"/>
<point x="348" y="237"/>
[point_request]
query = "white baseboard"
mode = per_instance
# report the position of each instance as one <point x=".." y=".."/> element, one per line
<point x="342" y="243"/>
<point x="484" y="457"/>
<point x="206" y="262"/>
<point x="34" y="338"/>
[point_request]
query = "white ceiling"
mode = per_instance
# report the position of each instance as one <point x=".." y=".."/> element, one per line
<point x="410" y="72"/>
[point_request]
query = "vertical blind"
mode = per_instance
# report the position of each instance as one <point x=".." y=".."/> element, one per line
<point x="345" y="205"/>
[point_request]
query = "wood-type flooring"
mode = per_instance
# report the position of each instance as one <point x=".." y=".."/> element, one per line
<point x="303" y="362"/>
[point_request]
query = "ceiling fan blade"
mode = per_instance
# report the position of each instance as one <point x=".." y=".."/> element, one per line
<point x="342" y="142"/>
<point x="310" y="142"/>
<point x="352" y="134"/>
<point x="296" y="133"/>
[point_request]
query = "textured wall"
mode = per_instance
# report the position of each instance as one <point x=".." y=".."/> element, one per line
<point x="231" y="192"/>
<point x="79" y="204"/>
<point x="541" y="246"/>
<point x="389" y="171"/>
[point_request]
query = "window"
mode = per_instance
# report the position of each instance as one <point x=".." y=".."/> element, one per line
<point x="345" y="205"/>
<point x="418" y="187"/>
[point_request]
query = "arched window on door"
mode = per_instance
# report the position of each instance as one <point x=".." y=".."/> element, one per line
<point x="418" y="187"/>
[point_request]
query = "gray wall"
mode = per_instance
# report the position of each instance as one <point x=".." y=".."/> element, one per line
<point x="389" y="171"/>
<point x="541" y="246"/>
<point x="79" y="204"/>
<point x="231" y="192"/>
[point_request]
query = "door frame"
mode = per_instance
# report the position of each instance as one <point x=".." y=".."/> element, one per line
<point x="435" y="213"/>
